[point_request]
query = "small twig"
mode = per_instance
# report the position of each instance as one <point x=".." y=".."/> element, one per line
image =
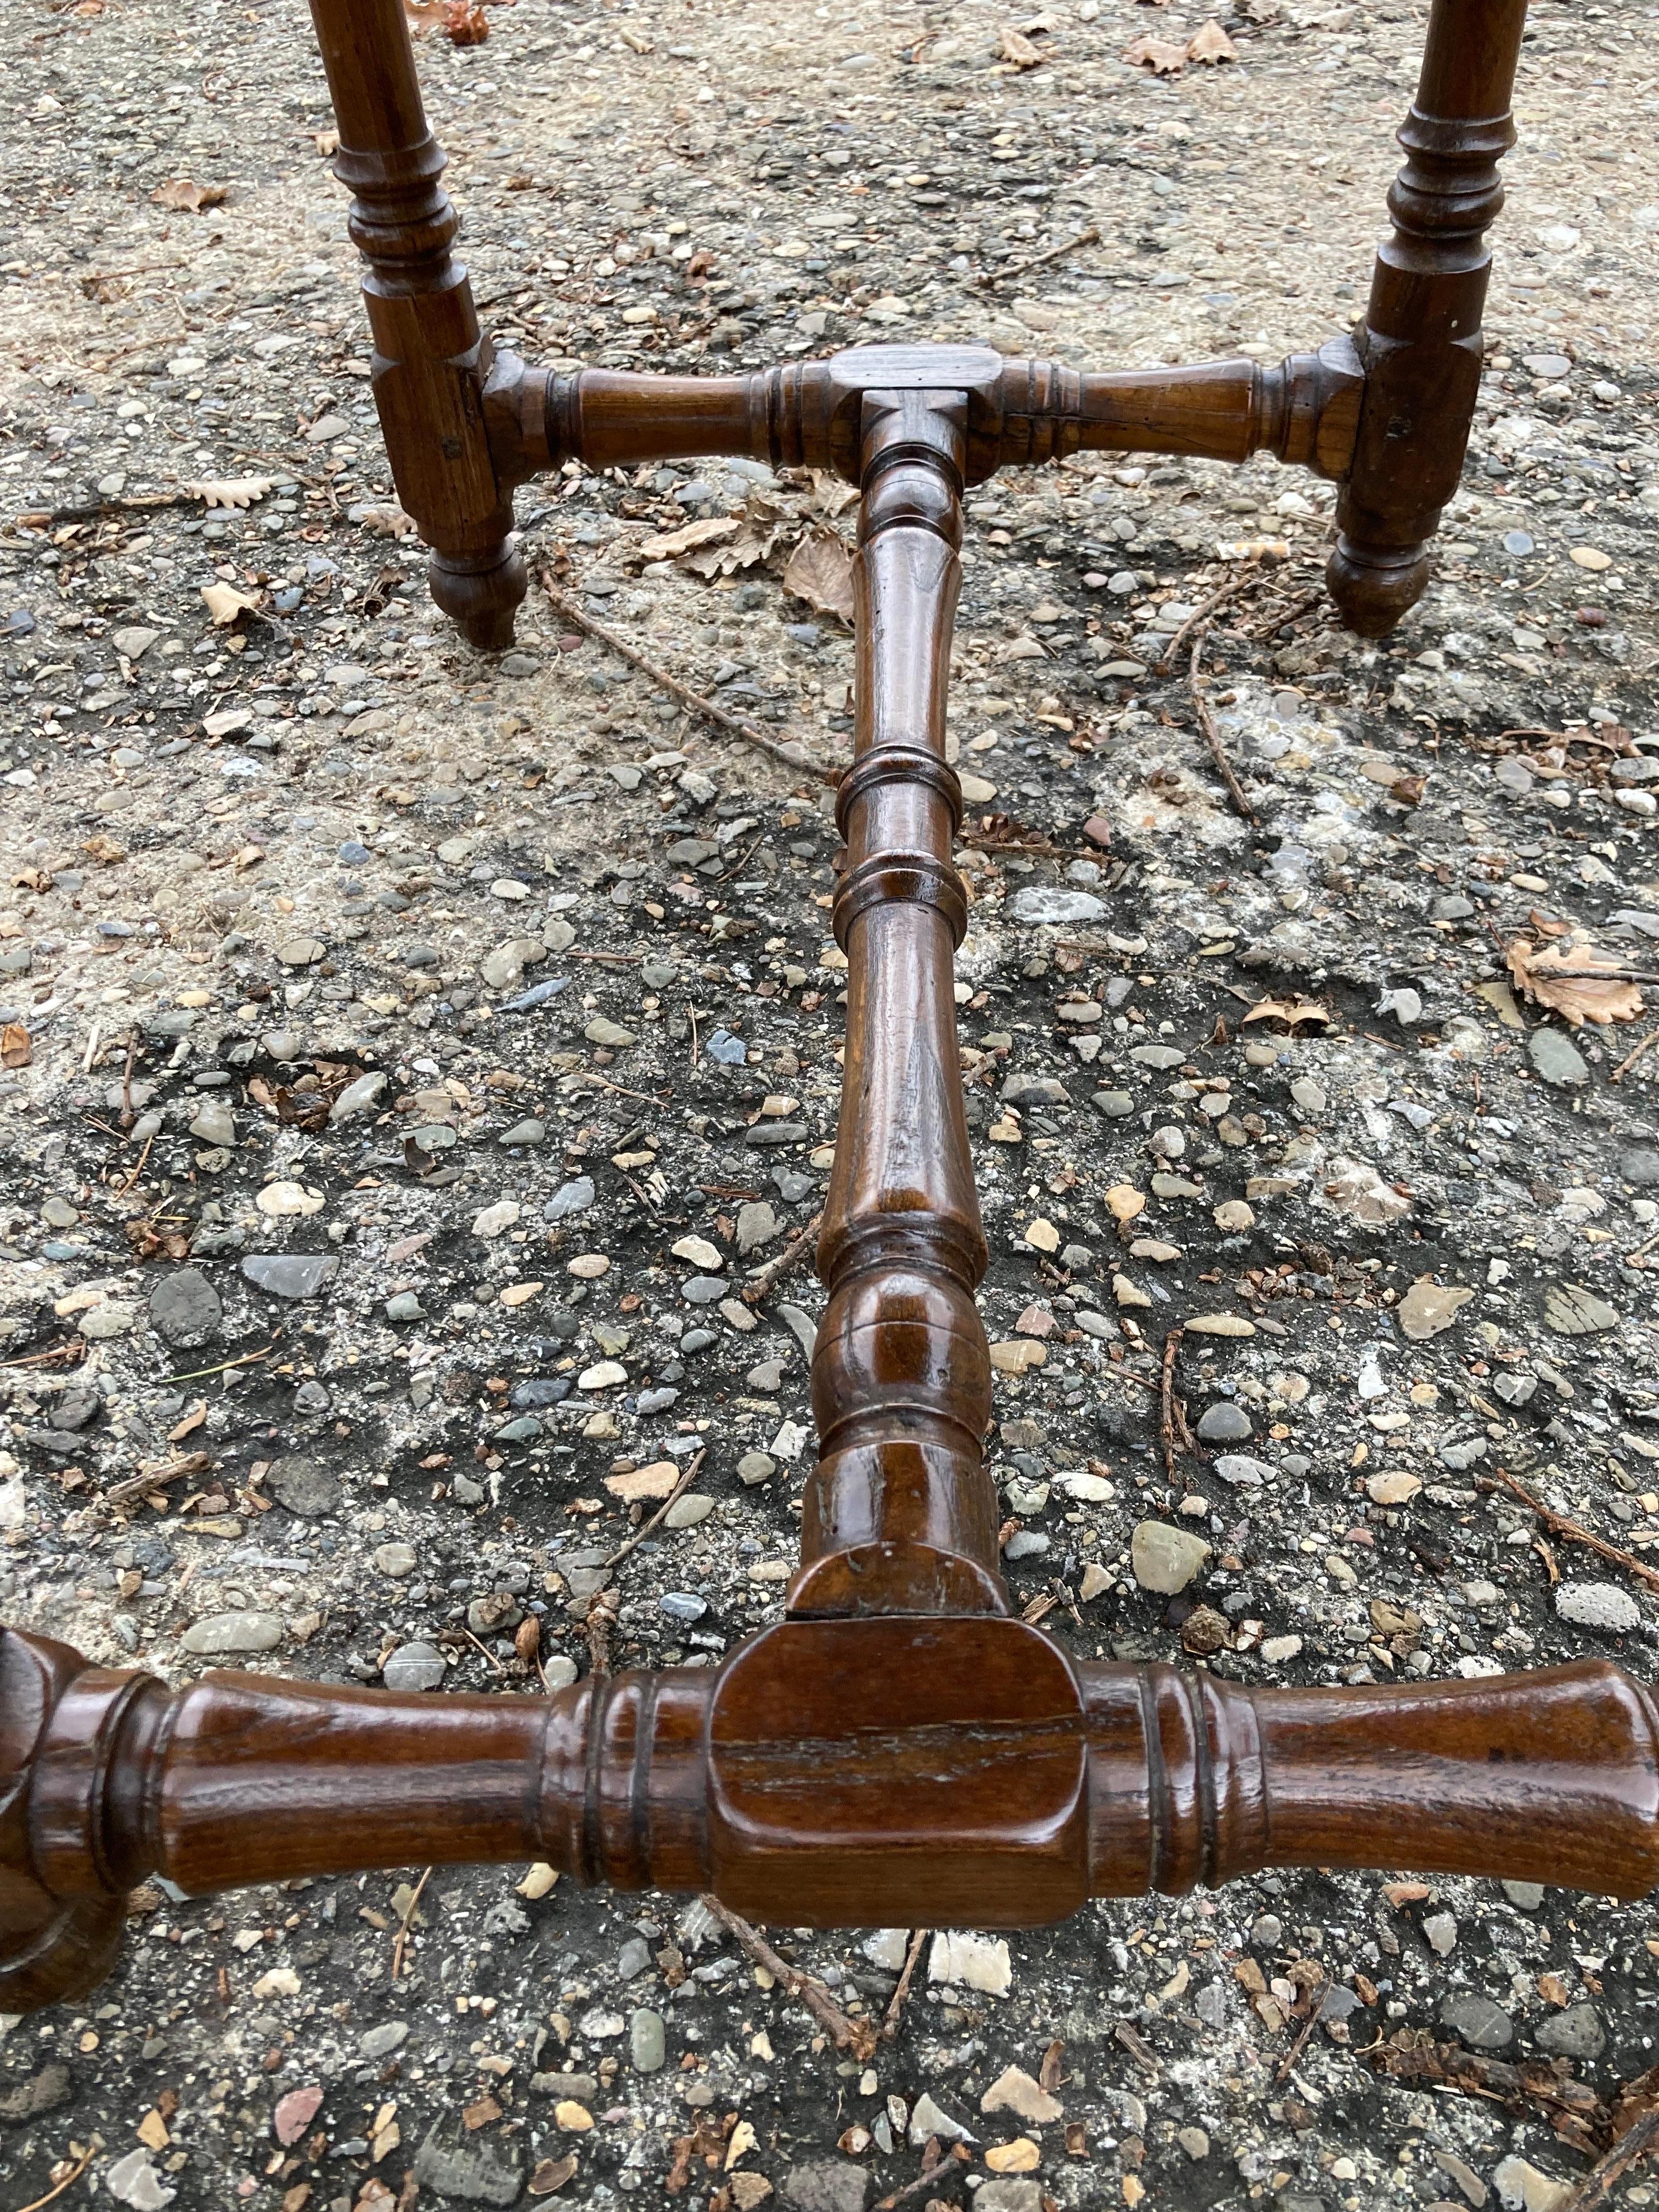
<point x="1597" y="2185"/>
<point x="791" y="754"/>
<point x="1086" y="236"/>
<point x="248" y="1359"/>
<point x="659" y="1515"/>
<point x="1212" y="738"/>
<point x="135" y="1486"/>
<point x="1288" y="611"/>
<point x="58" y="2189"/>
<point x="1630" y="1058"/>
<point x="127" y="1114"/>
<point x="1167" y="1403"/>
<point x="406" y="1923"/>
<point x="1566" y="738"/>
<point x="889" y="2026"/>
<point x="925" y="2179"/>
<point x="69" y="1355"/>
<point x="793" y="1253"/>
<point x="1246" y="581"/>
<point x="484" y="1648"/>
<point x="847" y="2034"/>
<point x="598" y="1624"/>
<point x="123" y="1190"/>
<point x="1569" y="1531"/>
<point x="1288" y="2062"/>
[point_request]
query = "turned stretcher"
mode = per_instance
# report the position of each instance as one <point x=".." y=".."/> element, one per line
<point x="901" y="1748"/>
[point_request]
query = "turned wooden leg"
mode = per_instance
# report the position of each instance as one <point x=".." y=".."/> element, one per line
<point x="1420" y="340"/>
<point x="430" y="359"/>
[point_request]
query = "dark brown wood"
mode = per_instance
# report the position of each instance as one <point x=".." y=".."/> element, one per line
<point x="1420" y="343"/>
<point x="430" y="359"/>
<point x="899" y="1748"/>
<point x="890" y="1769"/>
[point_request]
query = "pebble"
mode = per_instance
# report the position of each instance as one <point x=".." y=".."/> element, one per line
<point x="1604" y="1605"/>
<point x="414" y="1667"/>
<point x="221" y="1633"/>
<point x="1525" y="1896"/>
<point x="573" y="1197"/>
<point x="1522" y="2187"/>
<point x="1224" y="1423"/>
<point x="1556" y="1057"/>
<point x="1166" y="1560"/>
<point x="1481" y="2024"/>
<point x="1578" y="2032"/>
<point x="186" y="1309"/>
<point x="1440" y="1933"/>
<point x="648" y="2040"/>
<point x="133" y="2181"/>
<point x="214" y="1123"/>
<point x="1571" y="1311"/>
<point x="826" y="2185"/>
<point x="305" y="1487"/>
<point x="360" y="1097"/>
<point x="290" y="1274"/>
<point x="971" y="1961"/>
<point x="398" y="1560"/>
<point x="524" y="1134"/>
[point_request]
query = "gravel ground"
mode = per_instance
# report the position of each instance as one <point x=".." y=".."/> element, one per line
<point x="408" y="1057"/>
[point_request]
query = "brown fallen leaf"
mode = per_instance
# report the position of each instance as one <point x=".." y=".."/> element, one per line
<point x="1016" y="48"/>
<point x="1211" y="44"/>
<point x="230" y="491"/>
<point x="552" y="2174"/>
<point x="1561" y="977"/>
<point x="1156" y="55"/>
<point x="183" y="198"/>
<point x="465" y="23"/>
<point x="820" y="572"/>
<point x="224" y="602"/>
<point x="15" y="1045"/>
<point x="1295" y="1013"/>
<point x="105" y="850"/>
<point x="712" y="530"/>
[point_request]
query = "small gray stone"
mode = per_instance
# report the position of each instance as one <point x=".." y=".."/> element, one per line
<point x="379" y="2042"/>
<point x="703" y="1289"/>
<point x="524" y="1134"/>
<point x="1571" y="1311"/>
<point x="647" y="2041"/>
<point x="305" y="1487"/>
<point x="1578" y="2032"/>
<point x="398" y="1560"/>
<point x="756" y="1466"/>
<point x="1524" y="1896"/>
<point x="1166" y="1560"/>
<point x="1224" y="1423"/>
<point x="573" y="1197"/>
<point x="826" y="2185"/>
<point x="406" y="1306"/>
<point x="234" y="1631"/>
<point x="186" y="1309"/>
<point x="215" y="1123"/>
<point x="1015" y="2193"/>
<point x="1481" y="2024"/>
<point x="928" y="2117"/>
<point x="133" y="644"/>
<point x="290" y="1274"/>
<point x="414" y="1667"/>
<point x="757" y="1226"/>
<point x="357" y="1097"/>
<point x="1116" y="1105"/>
<point x="801" y="1325"/>
<point x="683" y="1605"/>
<point x="1640" y="1167"/>
<point x="1049" y="907"/>
<point x="45" y="2092"/>
<point x="1604" y="1605"/>
<point x="1556" y="1057"/>
<point x="601" y="1031"/>
<point x="476" y="2173"/>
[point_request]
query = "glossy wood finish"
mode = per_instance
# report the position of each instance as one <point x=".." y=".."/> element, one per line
<point x="899" y="1748"/>
<point x="430" y="359"/>
<point x="1420" y="343"/>
<point x="891" y="1770"/>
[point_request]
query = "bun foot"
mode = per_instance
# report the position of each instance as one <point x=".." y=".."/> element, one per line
<point x="1373" y="589"/>
<point x="481" y="592"/>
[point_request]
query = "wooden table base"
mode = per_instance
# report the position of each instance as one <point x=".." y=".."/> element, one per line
<point x="900" y="1748"/>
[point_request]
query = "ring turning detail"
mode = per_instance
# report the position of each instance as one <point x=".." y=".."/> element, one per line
<point x="900" y="1747"/>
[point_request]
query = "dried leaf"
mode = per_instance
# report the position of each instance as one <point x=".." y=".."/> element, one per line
<point x="224" y="602"/>
<point x="421" y="16"/>
<point x="106" y="851"/>
<point x="1211" y="44"/>
<point x="552" y="2174"/>
<point x="1018" y="49"/>
<point x="387" y="521"/>
<point x="181" y="196"/>
<point x="751" y="546"/>
<point x="1295" y="1013"/>
<point x="820" y="571"/>
<point x="1156" y="55"/>
<point x="465" y="23"/>
<point x="15" y="1045"/>
<point x="712" y="530"/>
<point x="1558" y="978"/>
<point x="230" y="491"/>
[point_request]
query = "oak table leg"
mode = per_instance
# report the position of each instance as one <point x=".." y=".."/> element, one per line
<point x="430" y="358"/>
<point x="1420" y="342"/>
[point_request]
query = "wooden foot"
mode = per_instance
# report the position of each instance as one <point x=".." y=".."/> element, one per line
<point x="431" y="360"/>
<point x="1420" y="342"/>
